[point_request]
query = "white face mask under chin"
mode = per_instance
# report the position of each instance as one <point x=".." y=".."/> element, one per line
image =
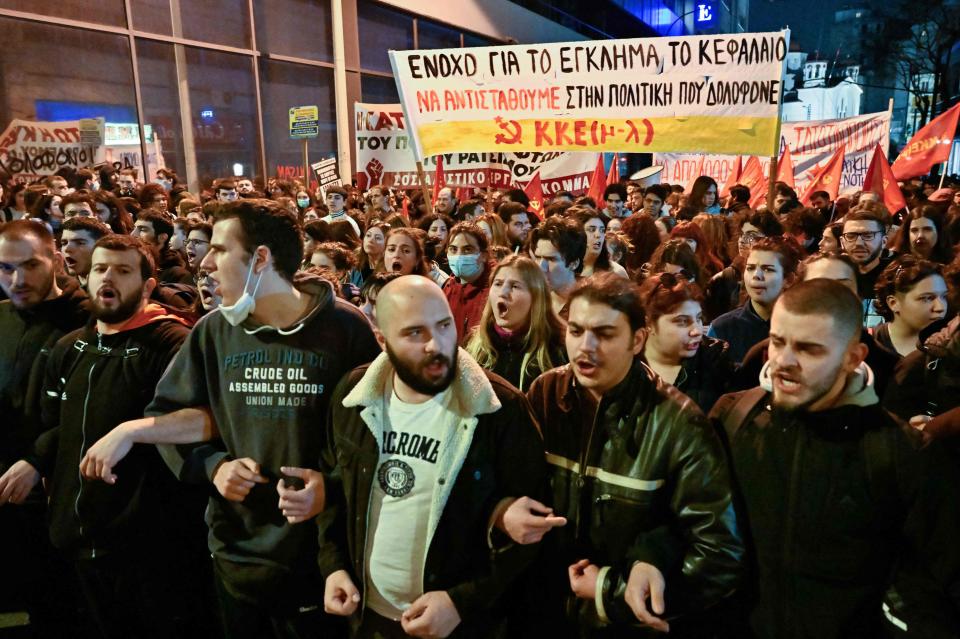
<point x="239" y="310"/>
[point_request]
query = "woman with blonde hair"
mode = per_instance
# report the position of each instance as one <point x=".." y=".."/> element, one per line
<point x="519" y="336"/>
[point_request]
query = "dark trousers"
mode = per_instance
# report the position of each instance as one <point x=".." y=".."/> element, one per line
<point x="35" y="579"/>
<point x="375" y="626"/>
<point x="292" y="611"/>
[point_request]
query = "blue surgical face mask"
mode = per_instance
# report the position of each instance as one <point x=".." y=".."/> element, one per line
<point x="465" y="266"/>
<point x="239" y="310"/>
<point x="303" y="202"/>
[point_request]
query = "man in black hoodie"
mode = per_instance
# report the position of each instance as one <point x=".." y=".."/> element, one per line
<point x="841" y="502"/>
<point x="125" y="539"/>
<point x="256" y="374"/>
<point x="36" y="314"/>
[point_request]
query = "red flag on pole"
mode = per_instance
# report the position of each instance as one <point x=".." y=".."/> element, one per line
<point x="880" y="180"/>
<point x="439" y="179"/>
<point x="464" y="193"/>
<point x="614" y="175"/>
<point x="598" y="182"/>
<point x="785" y="168"/>
<point x="828" y="178"/>
<point x="697" y="173"/>
<point x="734" y="177"/>
<point x="754" y="179"/>
<point x="928" y="147"/>
<point x="534" y="191"/>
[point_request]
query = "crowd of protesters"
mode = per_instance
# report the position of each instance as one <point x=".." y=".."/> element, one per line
<point x="265" y="410"/>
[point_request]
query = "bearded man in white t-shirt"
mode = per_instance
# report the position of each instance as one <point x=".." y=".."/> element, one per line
<point x="425" y="449"/>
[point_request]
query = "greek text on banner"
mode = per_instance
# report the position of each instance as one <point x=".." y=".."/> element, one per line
<point x="706" y="94"/>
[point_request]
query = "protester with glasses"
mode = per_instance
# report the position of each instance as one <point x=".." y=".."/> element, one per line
<point x="863" y="237"/>
<point x="197" y="244"/>
<point x="677" y="347"/>
<point x="911" y="294"/>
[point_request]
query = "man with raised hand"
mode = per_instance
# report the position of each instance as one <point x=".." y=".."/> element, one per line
<point x="651" y="538"/>
<point x="427" y="448"/>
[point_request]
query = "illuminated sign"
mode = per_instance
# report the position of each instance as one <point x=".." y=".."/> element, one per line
<point x="704" y="15"/>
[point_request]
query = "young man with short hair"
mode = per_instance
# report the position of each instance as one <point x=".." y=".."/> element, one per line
<point x="78" y="204"/>
<point x="197" y="244"/>
<point x="467" y="290"/>
<point x="862" y="238"/>
<point x="770" y="268"/>
<point x="853" y="524"/>
<point x="642" y="500"/>
<point x="155" y="229"/>
<point x="133" y="551"/>
<point x="653" y="199"/>
<point x="514" y="216"/>
<point x="558" y="246"/>
<point x="426" y="446"/>
<point x="615" y="200"/>
<point x="36" y="313"/>
<point x="336" y="198"/>
<point x="77" y="239"/>
<point x="225" y="190"/>
<point x="257" y="372"/>
<point x="126" y="183"/>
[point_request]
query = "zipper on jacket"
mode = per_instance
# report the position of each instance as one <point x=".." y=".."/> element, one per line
<point x="583" y="466"/>
<point x="83" y="444"/>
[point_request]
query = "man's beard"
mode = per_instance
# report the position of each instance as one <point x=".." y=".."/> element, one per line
<point x="124" y="311"/>
<point x="413" y="377"/>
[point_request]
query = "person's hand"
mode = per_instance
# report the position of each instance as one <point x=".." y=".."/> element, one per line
<point x="919" y="422"/>
<point x="646" y="581"/>
<point x="432" y="615"/>
<point x="526" y="521"/>
<point x="17" y="482"/>
<point x="583" y="579"/>
<point x="236" y="477"/>
<point x="340" y="596"/>
<point x="306" y="503"/>
<point x="106" y="453"/>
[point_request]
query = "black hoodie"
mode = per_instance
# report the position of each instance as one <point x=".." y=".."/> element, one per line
<point x="93" y="383"/>
<point x="26" y="337"/>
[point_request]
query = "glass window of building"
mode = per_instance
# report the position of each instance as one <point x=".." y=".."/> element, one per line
<point x="296" y="28"/>
<point x="286" y="85"/>
<point x="224" y="22"/>
<point x="110" y="12"/>
<point x="161" y="102"/>
<point x="431" y="35"/>
<point x="381" y="29"/>
<point x="378" y="89"/>
<point x="223" y="112"/>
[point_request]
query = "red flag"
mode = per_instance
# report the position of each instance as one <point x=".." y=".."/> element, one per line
<point x="828" y="178"/>
<point x="614" y="175"/>
<point x="697" y="173"/>
<point x="785" y="168"/>
<point x="880" y="180"/>
<point x="439" y="179"/>
<point x="534" y="191"/>
<point x="598" y="182"/>
<point x="754" y="179"/>
<point x="929" y="146"/>
<point x="734" y="177"/>
<point x="464" y="193"/>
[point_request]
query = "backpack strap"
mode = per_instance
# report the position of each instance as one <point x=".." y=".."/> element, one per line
<point x="744" y="409"/>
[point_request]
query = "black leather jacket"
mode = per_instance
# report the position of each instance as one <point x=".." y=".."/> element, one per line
<point x="643" y="479"/>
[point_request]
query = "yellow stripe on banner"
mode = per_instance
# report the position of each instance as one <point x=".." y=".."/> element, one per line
<point x="729" y="135"/>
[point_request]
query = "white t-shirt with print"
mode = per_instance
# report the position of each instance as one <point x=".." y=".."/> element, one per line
<point x="400" y="501"/>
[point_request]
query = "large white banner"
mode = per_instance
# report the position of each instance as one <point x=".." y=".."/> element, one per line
<point x="384" y="157"/>
<point x="713" y="94"/>
<point x="811" y="145"/>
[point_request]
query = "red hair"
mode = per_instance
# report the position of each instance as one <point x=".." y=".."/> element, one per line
<point x="708" y="261"/>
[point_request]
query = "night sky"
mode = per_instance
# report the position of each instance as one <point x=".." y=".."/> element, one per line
<point x="809" y="20"/>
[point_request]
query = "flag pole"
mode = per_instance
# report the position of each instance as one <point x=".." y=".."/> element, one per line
<point x="423" y="187"/>
<point x="943" y="173"/>
<point x="773" y="158"/>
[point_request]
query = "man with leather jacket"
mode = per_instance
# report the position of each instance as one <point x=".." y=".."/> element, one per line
<point x="650" y="538"/>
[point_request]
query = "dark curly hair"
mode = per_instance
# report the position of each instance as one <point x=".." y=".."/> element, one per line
<point x="901" y="276"/>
